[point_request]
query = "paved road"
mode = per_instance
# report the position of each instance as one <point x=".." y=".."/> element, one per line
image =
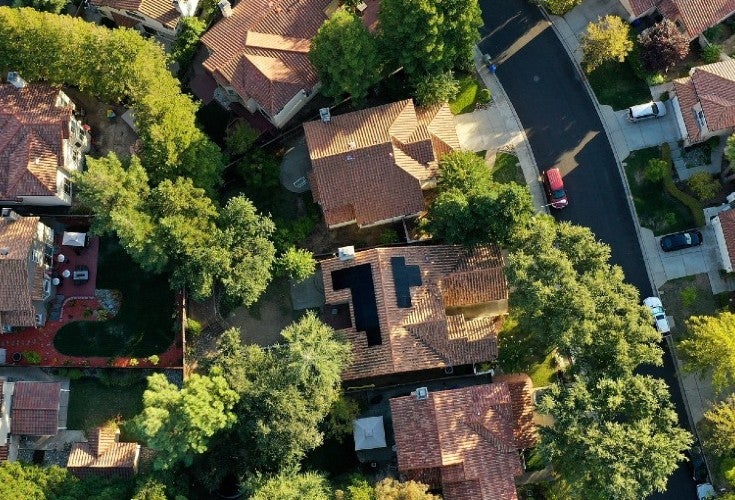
<point x="564" y="129"/>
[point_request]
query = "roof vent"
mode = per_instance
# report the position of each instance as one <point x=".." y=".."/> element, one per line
<point x="350" y="157"/>
<point x="225" y="8"/>
<point x="4" y="251"/>
<point x="15" y="79"/>
<point x="325" y="115"/>
<point x="421" y="394"/>
<point x="346" y="253"/>
<point x="351" y="145"/>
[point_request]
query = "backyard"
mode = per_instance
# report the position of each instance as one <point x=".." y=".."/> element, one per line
<point x="92" y="403"/>
<point x="142" y="326"/>
<point x="616" y="85"/>
<point x="657" y="210"/>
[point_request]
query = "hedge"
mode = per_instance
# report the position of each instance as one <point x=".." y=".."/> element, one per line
<point x="689" y="201"/>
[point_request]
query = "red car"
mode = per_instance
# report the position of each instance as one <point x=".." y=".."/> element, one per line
<point x="555" y="191"/>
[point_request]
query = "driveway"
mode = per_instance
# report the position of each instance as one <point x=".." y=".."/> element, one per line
<point x="647" y="133"/>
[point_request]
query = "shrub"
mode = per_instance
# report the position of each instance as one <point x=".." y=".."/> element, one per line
<point x="388" y="237"/>
<point x="240" y="137"/>
<point x="655" y="171"/>
<point x="339" y="421"/>
<point x="715" y="34"/>
<point x="437" y="89"/>
<point x="655" y="79"/>
<point x="32" y="357"/>
<point x="561" y="7"/>
<point x="689" y="201"/>
<point x="154" y="359"/>
<point x="711" y="53"/>
<point x="297" y="263"/>
<point x="193" y="327"/>
<point x="133" y="362"/>
<point x="727" y="469"/>
<point x="664" y="96"/>
<point x="703" y="185"/>
<point x="689" y="296"/>
<point x="190" y="30"/>
<point x="484" y="96"/>
<point x="71" y="373"/>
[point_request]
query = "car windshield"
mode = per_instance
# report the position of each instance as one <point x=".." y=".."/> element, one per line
<point x="654" y="108"/>
<point x="688" y="238"/>
<point x="657" y="311"/>
<point x="557" y="194"/>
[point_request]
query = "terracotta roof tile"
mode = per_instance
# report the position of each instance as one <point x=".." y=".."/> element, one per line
<point x="696" y="15"/>
<point x="727" y="221"/>
<point x="162" y="11"/>
<point x="640" y="6"/>
<point x="687" y="96"/>
<point x="4" y="452"/>
<point x="103" y="455"/>
<point x="423" y="335"/>
<point x="35" y="408"/>
<point x="521" y="395"/>
<point x="376" y="161"/>
<point x="16" y="301"/>
<point x="466" y="435"/>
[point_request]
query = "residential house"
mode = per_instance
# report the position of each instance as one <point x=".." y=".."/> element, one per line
<point x="104" y="455"/>
<point x="705" y="101"/>
<point x="466" y="442"/>
<point x="150" y="17"/>
<point x="692" y="17"/>
<point x="26" y="247"/>
<point x="42" y="143"/>
<point x="724" y="226"/>
<point x="371" y="166"/>
<point x="415" y="308"/>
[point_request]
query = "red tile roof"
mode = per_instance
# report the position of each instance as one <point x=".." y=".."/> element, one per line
<point x="35" y="408"/>
<point x="426" y="335"/>
<point x="712" y="88"/>
<point x="521" y="396"/>
<point x="727" y="221"/>
<point x="32" y="129"/>
<point x="103" y="455"/>
<point x="4" y="452"/>
<point x="639" y="7"/>
<point x="695" y="15"/>
<point x="162" y="11"/>
<point x="17" y="288"/>
<point x="370" y="166"/>
<point x="461" y="440"/>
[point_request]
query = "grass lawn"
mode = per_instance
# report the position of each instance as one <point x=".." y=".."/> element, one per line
<point x="689" y="296"/>
<point x="543" y="373"/>
<point x="657" y="210"/>
<point x="142" y="327"/>
<point x="507" y="169"/>
<point x="519" y="353"/>
<point x="469" y="93"/>
<point x="91" y="403"/>
<point x="615" y="84"/>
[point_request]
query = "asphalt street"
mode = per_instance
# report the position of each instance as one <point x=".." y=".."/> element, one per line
<point x="564" y="130"/>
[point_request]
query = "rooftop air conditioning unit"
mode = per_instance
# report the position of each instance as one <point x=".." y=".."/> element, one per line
<point x="325" y="115"/>
<point x="39" y="319"/>
<point x="225" y="7"/>
<point x="15" y="79"/>
<point x="421" y="394"/>
<point x="346" y="253"/>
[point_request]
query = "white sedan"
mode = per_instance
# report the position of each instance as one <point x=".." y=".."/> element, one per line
<point x="659" y="314"/>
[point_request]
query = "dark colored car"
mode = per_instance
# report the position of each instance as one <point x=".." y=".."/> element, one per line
<point x="677" y="241"/>
<point x="697" y="465"/>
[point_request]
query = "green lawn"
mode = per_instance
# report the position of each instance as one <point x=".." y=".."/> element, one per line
<point x="507" y="169"/>
<point x="142" y="327"/>
<point x="469" y="93"/>
<point x="657" y="210"/>
<point x="615" y="84"/>
<point x="91" y="403"/>
<point x="543" y="373"/>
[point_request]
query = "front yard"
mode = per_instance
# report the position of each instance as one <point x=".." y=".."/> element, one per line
<point x="507" y="169"/>
<point x="470" y="93"/>
<point x="616" y="85"/>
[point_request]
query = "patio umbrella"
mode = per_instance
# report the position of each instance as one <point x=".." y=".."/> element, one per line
<point x="369" y="433"/>
<point x="74" y="239"/>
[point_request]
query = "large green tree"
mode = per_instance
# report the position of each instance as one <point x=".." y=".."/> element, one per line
<point x="606" y="40"/>
<point x="26" y="481"/>
<point x="719" y="427"/>
<point x="613" y="438"/>
<point x="345" y="56"/>
<point x="463" y="170"/>
<point x="391" y="489"/>
<point x="710" y="348"/>
<point x="178" y="423"/>
<point x="291" y="486"/>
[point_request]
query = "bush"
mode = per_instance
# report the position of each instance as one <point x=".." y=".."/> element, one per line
<point x="711" y="53"/>
<point x="560" y="7"/>
<point x="193" y="327"/>
<point x="655" y="171"/>
<point x="664" y="96"/>
<point x="190" y="30"/>
<point x="32" y="357"/>
<point x="704" y="186"/>
<point x="436" y="89"/>
<point x="655" y="79"/>
<point x="388" y="237"/>
<point x="71" y="373"/>
<point x="133" y="362"/>
<point x="715" y="34"/>
<point x="689" y="296"/>
<point x="690" y="202"/>
<point x="297" y="263"/>
<point x="484" y="96"/>
<point x="727" y="469"/>
<point x="154" y="359"/>
<point x="240" y="138"/>
<point x="341" y="417"/>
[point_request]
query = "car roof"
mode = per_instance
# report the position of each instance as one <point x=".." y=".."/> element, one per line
<point x="554" y="177"/>
<point x="653" y="302"/>
<point x="641" y="109"/>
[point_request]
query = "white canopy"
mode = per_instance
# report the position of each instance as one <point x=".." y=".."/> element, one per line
<point x="73" y="239"/>
<point x="369" y="433"/>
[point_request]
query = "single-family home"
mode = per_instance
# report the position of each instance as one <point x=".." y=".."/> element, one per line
<point x="42" y="143"/>
<point x="371" y="166"/>
<point x="26" y="286"/>
<point x="692" y="17"/>
<point x="466" y="442"/>
<point x="704" y="102"/>
<point x="415" y="308"/>
<point x="104" y="455"/>
<point x="724" y="226"/>
<point x="150" y="17"/>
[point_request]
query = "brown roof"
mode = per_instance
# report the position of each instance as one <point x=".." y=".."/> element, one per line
<point x="4" y="452"/>
<point x="32" y="129"/>
<point x="521" y="396"/>
<point x="712" y="87"/>
<point x="727" y="221"/>
<point x="162" y="11"/>
<point x="461" y="440"/>
<point x="695" y="15"/>
<point x="262" y="49"/>
<point x="424" y="334"/>
<point x="35" y="408"/>
<point x="104" y="455"/>
<point x="16" y="296"/>
<point x="370" y="165"/>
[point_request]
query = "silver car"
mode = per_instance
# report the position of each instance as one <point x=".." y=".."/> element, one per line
<point x="659" y="314"/>
<point x="653" y="109"/>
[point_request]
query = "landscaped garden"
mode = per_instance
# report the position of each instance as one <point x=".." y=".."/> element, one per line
<point x="143" y="325"/>
<point x="617" y="85"/>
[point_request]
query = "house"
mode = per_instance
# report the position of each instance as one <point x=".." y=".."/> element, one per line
<point x="104" y="455"/>
<point x="41" y="143"/>
<point x="150" y="17"/>
<point x="692" y="17"/>
<point x="26" y="286"/>
<point x="415" y="308"/>
<point x="705" y="101"/>
<point x="465" y="441"/>
<point x="724" y="226"/>
<point x="371" y="166"/>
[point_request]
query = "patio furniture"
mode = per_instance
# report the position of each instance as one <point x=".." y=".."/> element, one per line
<point x="80" y="275"/>
<point x="66" y="273"/>
<point x="16" y="357"/>
<point x="61" y="257"/>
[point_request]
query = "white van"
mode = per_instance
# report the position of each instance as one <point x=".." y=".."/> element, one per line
<point x="653" y="109"/>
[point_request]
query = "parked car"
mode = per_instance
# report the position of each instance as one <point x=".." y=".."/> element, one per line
<point x="653" y="109"/>
<point x="697" y="465"/>
<point x="705" y="491"/>
<point x="659" y="314"/>
<point x="555" y="191"/>
<point x="679" y="241"/>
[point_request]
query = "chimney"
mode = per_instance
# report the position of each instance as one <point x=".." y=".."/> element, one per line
<point x="15" y="79"/>
<point x="225" y="8"/>
<point x="346" y="253"/>
<point x="421" y="394"/>
<point x="325" y="115"/>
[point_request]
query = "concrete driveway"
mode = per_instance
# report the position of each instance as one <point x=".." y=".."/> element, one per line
<point x="647" y="133"/>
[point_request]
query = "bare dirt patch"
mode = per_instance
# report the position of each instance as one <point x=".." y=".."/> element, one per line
<point x="324" y="240"/>
<point x="262" y="323"/>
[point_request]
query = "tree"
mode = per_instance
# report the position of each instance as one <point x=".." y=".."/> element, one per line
<point x="614" y="438"/>
<point x="561" y="7"/>
<point x="345" y="56"/>
<point x="704" y="185"/>
<point x="391" y="489"/>
<point x="291" y="486"/>
<point x="460" y="24"/>
<point x="189" y="31"/>
<point x="20" y="480"/>
<point x="606" y="40"/>
<point x="463" y="170"/>
<point x="52" y="6"/>
<point x="711" y="347"/>
<point x="178" y="423"/>
<point x="662" y="46"/>
<point x="150" y="489"/>
<point x="240" y="138"/>
<point x="341" y="418"/>
<point x="297" y="263"/>
<point x="719" y="427"/>
<point x="435" y="89"/>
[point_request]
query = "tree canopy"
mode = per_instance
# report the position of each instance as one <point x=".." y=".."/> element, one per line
<point x="711" y="347"/>
<point x="662" y="45"/>
<point x="719" y="427"/>
<point x="606" y="40"/>
<point x="291" y="486"/>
